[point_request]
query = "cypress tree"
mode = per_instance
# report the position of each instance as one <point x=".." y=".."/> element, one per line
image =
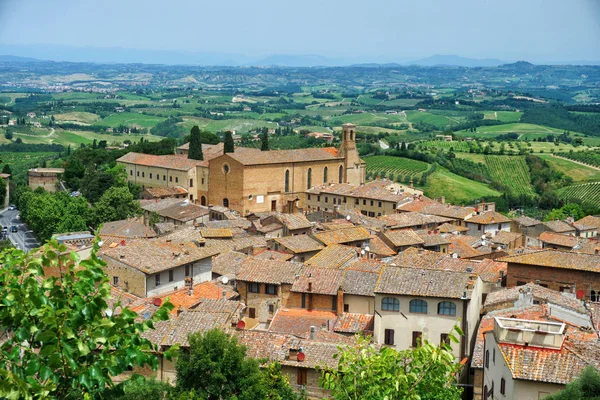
<point x="195" y="152"/>
<point x="6" y="169"/>
<point x="264" y="146"/>
<point x="228" y="146"/>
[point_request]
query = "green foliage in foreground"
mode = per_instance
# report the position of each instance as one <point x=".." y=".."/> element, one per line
<point x="216" y="367"/>
<point x="424" y="373"/>
<point x="65" y="342"/>
<point x="586" y="387"/>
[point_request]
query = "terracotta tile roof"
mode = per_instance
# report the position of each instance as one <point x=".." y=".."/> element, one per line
<point x="487" y="218"/>
<point x="269" y="271"/>
<point x="542" y="365"/>
<point x="203" y="291"/>
<point x="249" y="156"/>
<point x="179" y="327"/>
<point x="165" y="191"/>
<point x="412" y="219"/>
<point x="526" y="221"/>
<point x="337" y="223"/>
<point x="431" y="239"/>
<point x="417" y="258"/>
<point x="361" y="277"/>
<point x="557" y="259"/>
<point x="184" y="233"/>
<point x="459" y="245"/>
<point x="299" y="243"/>
<point x="538" y="292"/>
<point x="240" y="223"/>
<point x="342" y="236"/>
<point x="451" y="228"/>
<point x="248" y="242"/>
<point x="354" y="323"/>
<point x="155" y="255"/>
<point x="333" y="256"/>
<point x="228" y="263"/>
<point x="401" y="238"/>
<point x="559" y="226"/>
<point x="489" y="270"/>
<point x="589" y="246"/>
<point x="177" y="209"/>
<point x="428" y="206"/>
<point x="158" y="204"/>
<point x="297" y="321"/>
<point x="380" y="190"/>
<point x="276" y="347"/>
<point x="216" y="233"/>
<point x="559" y="239"/>
<point x="378" y="247"/>
<point x="325" y="281"/>
<point x="358" y="219"/>
<point x="423" y="282"/>
<point x="505" y="238"/>
<point x="209" y="151"/>
<point x="295" y="221"/>
<point x="273" y="255"/>
<point x="587" y="223"/>
<point x="267" y="228"/>
<point x="177" y="162"/>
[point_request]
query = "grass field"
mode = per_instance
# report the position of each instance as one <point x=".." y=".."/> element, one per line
<point x="237" y="125"/>
<point x="81" y="117"/>
<point x="130" y="119"/>
<point x="440" y="121"/>
<point x="585" y="192"/>
<point x="512" y="172"/>
<point x="578" y="172"/>
<point x="520" y="128"/>
<point x="395" y="165"/>
<point x="455" y="188"/>
<point x="504" y="116"/>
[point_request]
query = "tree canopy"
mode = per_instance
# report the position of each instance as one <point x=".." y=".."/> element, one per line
<point x="66" y="341"/>
<point x="264" y="143"/>
<point x="195" y="151"/>
<point x="586" y="387"/>
<point x="216" y="367"/>
<point x="228" y="146"/>
<point x="426" y="372"/>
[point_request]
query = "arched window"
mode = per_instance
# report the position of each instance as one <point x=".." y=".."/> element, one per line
<point x="287" y="180"/>
<point x="325" y="175"/>
<point x="390" y="304"/>
<point x="351" y="135"/>
<point x="341" y="174"/>
<point x="202" y="201"/>
<point x="225" y="202"/>
<point x="593" y="295"/>
<point x="345" y="135"/>
<point x="418" y="306"/>
<point x="309" y="179"/>
<point x="446" y="308"/>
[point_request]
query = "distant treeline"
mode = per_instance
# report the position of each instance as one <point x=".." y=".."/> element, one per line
<point x="31" y="148"/>
<point x="557" y="116"/>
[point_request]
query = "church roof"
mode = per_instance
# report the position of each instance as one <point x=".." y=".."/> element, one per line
<point x="249" y="156"/>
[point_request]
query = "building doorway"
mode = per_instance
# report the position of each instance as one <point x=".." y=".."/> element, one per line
<point x="226" y="202"/>
<point x="273" y="205"/>
<point x="203" y="201"/>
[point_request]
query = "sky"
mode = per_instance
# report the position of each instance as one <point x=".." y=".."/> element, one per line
<point x="376" y="30"/>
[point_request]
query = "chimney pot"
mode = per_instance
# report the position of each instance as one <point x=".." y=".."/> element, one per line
<point x="313" y="330"/>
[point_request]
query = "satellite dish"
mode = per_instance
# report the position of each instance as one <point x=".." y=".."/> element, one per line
<point x="454" y="255"/>
<point x="301" y="356"/>
<point x="157" y="302"/>
<point x="482" y="237"/>
<point x="241" y="324"/>
<point x="100" y="243"/>
<point x="362" y="252"/>
<point x="146" y="315"/>
<point x="225" y="280"/>
<point x="483" y="243"/>
<point x="367" y="248"/>
<point x="347" y="218"/>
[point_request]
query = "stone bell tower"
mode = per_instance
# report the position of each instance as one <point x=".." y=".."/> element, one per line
<point x="354" y="167"/>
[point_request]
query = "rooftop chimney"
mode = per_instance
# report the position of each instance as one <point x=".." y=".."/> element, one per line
<point x="313" y="330"/>
<point x="224" y="295"/>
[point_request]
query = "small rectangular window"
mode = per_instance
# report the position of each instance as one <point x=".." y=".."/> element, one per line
<point x="346" y="307"/>
<point x="356" y="201"/>
<point x="380" y="204"/>
<point x="520" y="283"/>
<point x="364" y="202"/>
<point x="494" y="356"/>
<point x="502" y="386"/>
<point x="326" y="199"/>
<point x="479" y="227"/>
<point x="371" y="202"/>
<point x="444" y="339"/>
<point x="271" y="289"/>
<point x="303" y="305"/>
<point x="191" y="183"/>
<point x="254" y="287"/>
<point x="143" y="175"/>
<point x="416" y="338"/>
<point x="115" y="280"/>
<point x="309" y="196"/>
<point x="170" y="179"/>
<point x="301" y="377"/>
<point x="150" y="175"/>
<point x="187" y="271"/>
<point x="318" y="198"/>
<point x="131" y="172"/>
<point x="203" y="181"/>
<point x="176" y="179"/>
<point x="164" y="177"/>
<point x="170" y="275"/>
<point x="389" y="337"/>
<point x="138" y="173"/>
<point x="157" y="280"/>
<point x="271" y="308"/>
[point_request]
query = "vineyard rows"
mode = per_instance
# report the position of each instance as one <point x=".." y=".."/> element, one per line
<point x="586" y="157"/>
<point x="441" y="144"/>
<point x="395" y="165"/>
<point x="585" y="192"/>
<point x="512" y="172"/>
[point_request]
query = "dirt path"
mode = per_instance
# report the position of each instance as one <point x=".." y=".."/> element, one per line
<point x="578" y="162"/>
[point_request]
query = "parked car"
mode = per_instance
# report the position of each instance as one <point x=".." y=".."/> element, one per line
<point x="13" y="228"/>
<point x="12" y="207"/>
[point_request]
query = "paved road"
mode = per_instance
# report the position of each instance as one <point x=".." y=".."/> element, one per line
<point x="22" y="239"/>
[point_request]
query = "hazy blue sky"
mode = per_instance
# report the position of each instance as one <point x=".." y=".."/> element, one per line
<point x="536" y="30"/>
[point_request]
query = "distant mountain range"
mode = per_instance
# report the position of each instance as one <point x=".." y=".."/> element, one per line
<point x="118" y="55"/>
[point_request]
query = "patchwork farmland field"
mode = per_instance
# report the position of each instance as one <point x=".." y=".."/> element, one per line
<point x="395" y="165"/>
<point x="512" y="172"/>
<point x="455" y="188"/>
<point x="584" y="192"/>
